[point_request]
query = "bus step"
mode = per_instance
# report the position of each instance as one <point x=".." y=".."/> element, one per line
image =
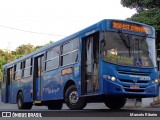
<point x="37" y="102"/>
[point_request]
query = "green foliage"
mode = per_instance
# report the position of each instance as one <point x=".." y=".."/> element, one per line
<point x="141" y="5"/>
<point x="24" y="49"/>
<point x="150" y="17"/>
<point x="6" y="57"/>
<point x="148" y="12"/>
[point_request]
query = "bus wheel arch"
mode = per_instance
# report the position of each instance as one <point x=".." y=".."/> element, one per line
<point x="67" y="85"/>
<point x="20" y="101"/>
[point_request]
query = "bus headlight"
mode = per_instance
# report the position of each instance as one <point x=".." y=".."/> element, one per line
<point x="156" y="81"/>
<point x="108" y="77"/>
<point x="113" y="78"/>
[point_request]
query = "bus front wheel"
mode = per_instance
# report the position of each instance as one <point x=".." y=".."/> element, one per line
<point x="115" y="102"/>
<point x="21" y="104"/>
<point x="72" y="100"/>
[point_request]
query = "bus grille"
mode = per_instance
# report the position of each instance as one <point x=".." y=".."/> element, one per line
<point x="132" y="81"/>
<point x="142" y="83"/>
<point x="134" y="73"/>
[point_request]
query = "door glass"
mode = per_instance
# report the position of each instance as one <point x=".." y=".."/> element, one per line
<point x="89" y="64"/>
<point x="39" y="72"/>
<point x="95" y="64"/>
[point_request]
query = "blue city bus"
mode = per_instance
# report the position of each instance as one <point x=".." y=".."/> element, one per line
<point x="106" y="62"/>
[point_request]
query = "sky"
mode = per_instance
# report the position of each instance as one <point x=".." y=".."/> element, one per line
<point x="39" y="21"/>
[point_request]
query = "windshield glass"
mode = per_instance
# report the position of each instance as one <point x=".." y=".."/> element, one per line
<point x="129" y="50"/>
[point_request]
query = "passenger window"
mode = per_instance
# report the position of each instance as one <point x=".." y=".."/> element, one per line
<point x="4" y="75"/>
<point x="52" y="59"/>
<point x="27" y="67"/>
<point x="70" y="52"/>
<point x="18" y="71"/>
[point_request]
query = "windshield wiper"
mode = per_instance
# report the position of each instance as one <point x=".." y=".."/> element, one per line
<point x="125" y="41"/>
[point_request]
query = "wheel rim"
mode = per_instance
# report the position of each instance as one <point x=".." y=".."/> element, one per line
<point x="73" y="97"/>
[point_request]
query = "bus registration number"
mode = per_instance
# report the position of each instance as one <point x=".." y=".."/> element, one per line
<point x="134" y="87"/>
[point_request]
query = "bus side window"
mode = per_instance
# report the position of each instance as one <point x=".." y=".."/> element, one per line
<point x="52" y="58"/>
<point x="14" y="75"/>
<point x="27" y="68"/>
<point x="23" y="68"/>
<point x="4" y="75"/>
<point x="11" y="74"/>
<point x="70" y="52"/>
<point x="18" y="71"/>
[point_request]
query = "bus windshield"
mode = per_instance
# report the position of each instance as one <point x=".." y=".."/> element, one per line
<point x="129" y="49"/>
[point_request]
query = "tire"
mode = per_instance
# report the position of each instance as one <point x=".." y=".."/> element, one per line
<point x="115" y="102"/>
<point x="72" y="100"/>
<point x="20" y="102"/>
<point x="55" y="105"/>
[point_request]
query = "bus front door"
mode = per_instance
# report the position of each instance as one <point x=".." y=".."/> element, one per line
<point x="90" y="65"/>
<point x="10" y="73"/>
<point x="37" y="82"/>
<point x="7" y="85"/>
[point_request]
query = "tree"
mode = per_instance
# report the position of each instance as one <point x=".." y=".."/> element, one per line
<point x="141" y="5"/>
<point x="6" y="57"/>
<point x="24" y="50"/>
<point x="148" y="12"/>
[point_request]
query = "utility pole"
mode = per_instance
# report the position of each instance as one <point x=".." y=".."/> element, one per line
<point x="8" y="46"/>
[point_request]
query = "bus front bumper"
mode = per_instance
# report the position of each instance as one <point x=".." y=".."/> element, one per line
<point x="113" y="88"/>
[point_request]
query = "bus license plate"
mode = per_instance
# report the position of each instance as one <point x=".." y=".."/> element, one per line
<point x="134" y="87"/>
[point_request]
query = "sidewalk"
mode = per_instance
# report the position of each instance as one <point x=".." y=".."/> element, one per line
<point x="155" y="104"/>
<point x="131" y="104"/>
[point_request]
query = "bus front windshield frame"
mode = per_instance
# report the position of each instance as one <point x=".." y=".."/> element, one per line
<point x="129" y="50"/>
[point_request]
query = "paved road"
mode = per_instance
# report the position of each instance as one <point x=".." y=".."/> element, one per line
<point x="92" y="111"/>
<point x="90" y="106"/>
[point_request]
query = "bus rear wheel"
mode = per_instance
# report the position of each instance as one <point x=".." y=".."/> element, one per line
<point x="55" y="105"/>
<point x="72" y="100"/>
<point x="21" y="104"/>
<point x="115" y="102"/>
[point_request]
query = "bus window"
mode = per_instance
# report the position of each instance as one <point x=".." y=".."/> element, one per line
<point x="18" y="71"/>
<point x="4" y="75"/>
<point x="11" y="74"/>
<point x="27" y="67"/>
<point x="70" y="52"/>
<point x="52" y="58"/>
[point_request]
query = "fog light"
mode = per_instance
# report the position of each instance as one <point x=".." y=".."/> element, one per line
<point x="156" y="81"/>
<point x="113" y="78"/>
<point x="108" y="77"/>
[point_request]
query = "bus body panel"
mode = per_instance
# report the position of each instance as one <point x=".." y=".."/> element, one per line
<point x="126" y="77"/>
<point x="24" y="85"/>
<point x="16" y="86"/>
<point x="53" y="82"/>
<point x="3" y="93"/>
<point x="27" y="89"/>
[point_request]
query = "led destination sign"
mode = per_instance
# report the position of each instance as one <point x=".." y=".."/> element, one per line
<point x="131" y="27"/>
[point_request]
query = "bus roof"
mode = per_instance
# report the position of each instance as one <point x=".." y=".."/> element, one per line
<point x="96" y="25"/>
